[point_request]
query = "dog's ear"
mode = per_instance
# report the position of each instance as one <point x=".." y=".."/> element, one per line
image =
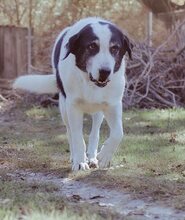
<point x="128" y="46"/>
<point x="72" y="45"/>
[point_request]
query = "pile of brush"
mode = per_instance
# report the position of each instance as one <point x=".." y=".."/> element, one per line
<point x="156" y="76"/>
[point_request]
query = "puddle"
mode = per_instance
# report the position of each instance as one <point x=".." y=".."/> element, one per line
<point x="118" y="202"/>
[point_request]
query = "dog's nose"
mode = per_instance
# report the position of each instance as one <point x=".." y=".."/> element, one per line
<point x="103" y="74"/>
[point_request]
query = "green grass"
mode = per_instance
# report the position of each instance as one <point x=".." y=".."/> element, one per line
<point x="36" y="215"/>
<point x="154" y="140"/>
<point x="35" y="201"/>
<point x="149" y="162"/>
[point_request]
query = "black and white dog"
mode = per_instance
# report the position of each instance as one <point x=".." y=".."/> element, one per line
<point x="89" y="66"/>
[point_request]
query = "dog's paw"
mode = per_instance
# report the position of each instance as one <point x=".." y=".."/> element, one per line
<point x="104" y="159"/>
<point x="93" y="163"/>
<point x="80" y="166"/>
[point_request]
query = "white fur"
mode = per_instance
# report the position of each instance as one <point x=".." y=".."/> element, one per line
<point x="37" y="83"/>
<point x="83" y="96"/>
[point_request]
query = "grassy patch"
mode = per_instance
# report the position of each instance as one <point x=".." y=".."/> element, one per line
<point x="154" y="142"/>
<point x="32" y="201"/>
<point x="150" y="162"/>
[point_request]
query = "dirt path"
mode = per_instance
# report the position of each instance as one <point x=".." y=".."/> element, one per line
<point x="122" y="204"/>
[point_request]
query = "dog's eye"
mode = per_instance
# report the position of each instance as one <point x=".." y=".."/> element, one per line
<point x="114" y="49"/>
<point x="92" y="46"/>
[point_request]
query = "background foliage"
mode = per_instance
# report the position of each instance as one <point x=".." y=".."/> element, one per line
<point x="156" y="73"/>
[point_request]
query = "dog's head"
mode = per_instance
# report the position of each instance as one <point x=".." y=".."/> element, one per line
<point x="99" y="49"/>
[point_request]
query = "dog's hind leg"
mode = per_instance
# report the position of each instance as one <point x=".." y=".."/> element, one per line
<point x="62" y="107"/>
<point x="97" y="119"/>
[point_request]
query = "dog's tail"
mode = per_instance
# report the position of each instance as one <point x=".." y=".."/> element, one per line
<point x="40" y="84"/>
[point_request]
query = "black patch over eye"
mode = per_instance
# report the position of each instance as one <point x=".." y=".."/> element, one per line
<point x="114" y="49"/>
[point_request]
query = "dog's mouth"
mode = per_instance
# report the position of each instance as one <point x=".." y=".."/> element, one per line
<point x="97" y="82"/>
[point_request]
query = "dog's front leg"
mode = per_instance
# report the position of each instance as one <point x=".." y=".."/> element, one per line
<point x="75" y="119"/>
<point x="97" y="119"/>
<point x="113" y="115"/>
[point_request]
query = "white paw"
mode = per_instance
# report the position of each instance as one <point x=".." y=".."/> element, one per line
<point x="80" y="166"/>
<point x="104" y="159"/>
<point x="93" y="163"/>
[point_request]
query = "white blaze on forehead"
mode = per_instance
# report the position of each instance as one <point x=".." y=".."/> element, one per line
<point x="103" y="33"/>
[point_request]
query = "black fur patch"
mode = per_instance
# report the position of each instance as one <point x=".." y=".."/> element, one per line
<point x="120" y="45"/>
<point x="56" y="61"/>
<point x="83" y="45"/>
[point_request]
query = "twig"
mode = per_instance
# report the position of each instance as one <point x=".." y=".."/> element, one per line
<point x="3" y="98"/>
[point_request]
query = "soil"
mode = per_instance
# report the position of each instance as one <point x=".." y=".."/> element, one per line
<point x="120" y="204"/>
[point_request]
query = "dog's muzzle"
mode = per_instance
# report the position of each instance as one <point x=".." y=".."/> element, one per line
<point x="97" y="82"/>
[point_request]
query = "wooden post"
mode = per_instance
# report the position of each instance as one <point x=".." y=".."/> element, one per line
<point x="149" y="28"/>
<point x="13" y="52"/>
<point x="29" y="39"/>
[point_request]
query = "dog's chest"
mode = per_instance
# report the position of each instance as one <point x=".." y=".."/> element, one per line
<point x="89" y="98"/>
<point x="88" y="106"/>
